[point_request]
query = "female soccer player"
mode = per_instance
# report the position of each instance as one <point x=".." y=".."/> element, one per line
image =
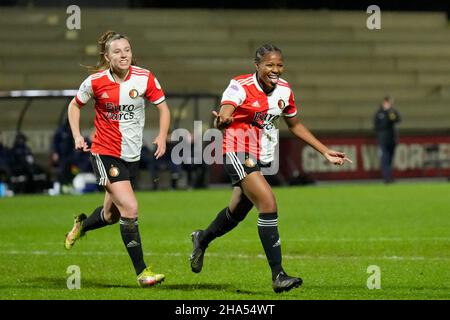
<point x="249" y="107"/>
<point x="119" y="89"/>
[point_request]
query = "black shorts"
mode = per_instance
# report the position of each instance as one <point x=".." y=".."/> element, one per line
<point x="113" y="169"/>
<point x="239" y="164"/>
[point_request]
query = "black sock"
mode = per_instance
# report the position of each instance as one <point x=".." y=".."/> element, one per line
<point x="95" y="220"/>
<point x="223" y="223"/>
<point x="132" y="240"/>
<point x="268" y="233"/>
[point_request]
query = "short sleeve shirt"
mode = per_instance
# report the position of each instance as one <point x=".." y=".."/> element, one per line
<point x="120" y="110"/>
<point x="255" y="118"/>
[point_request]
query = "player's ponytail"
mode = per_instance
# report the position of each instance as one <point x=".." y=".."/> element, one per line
<point x="103" y="44"/>
<point x="265" y="49"/>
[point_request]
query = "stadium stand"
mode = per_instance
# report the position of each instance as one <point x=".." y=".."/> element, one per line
<point x="338" y="68"/>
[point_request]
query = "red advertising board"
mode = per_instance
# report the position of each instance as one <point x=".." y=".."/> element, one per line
<point x="415" y="156"/>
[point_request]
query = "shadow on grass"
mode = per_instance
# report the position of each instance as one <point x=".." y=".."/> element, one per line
<point x="38" y="283"/>
<point x="209" y="286"/>
<point x="61" y="283"/>
<point x="95" y="284"/>
<point x="415" y="287"/>
<point x="197" y="286"/>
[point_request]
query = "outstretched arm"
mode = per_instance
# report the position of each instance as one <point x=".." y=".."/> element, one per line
<point x="164" y="123"/>
<point x="73" y="114"/>
<point x="224" y="117"/>
<point x="301" y="132"/>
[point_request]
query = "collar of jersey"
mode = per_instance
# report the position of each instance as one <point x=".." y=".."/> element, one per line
<point x="257" y="83"/>
<point x="259" y="87"/>
<point x="112" y="78"/>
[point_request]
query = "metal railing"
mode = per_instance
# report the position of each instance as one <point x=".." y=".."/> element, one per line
<point x="181" y="105"/>
<point x="29" y="95"/>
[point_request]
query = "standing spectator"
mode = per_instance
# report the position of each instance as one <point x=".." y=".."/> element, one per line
<point x="196" y="169"/>
<point x="63" y="153"/>
<point x="5" y="161"/>
<point x="156" y="166"/>
<point x="385" y="121"/>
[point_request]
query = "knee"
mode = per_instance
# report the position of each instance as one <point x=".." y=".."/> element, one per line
<point x="130" y="210"/>
<point x="267" y="205"/>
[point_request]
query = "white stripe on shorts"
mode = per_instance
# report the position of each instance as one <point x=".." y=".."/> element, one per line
<point x="101" y="169"/>
<point x="237" y="165"/>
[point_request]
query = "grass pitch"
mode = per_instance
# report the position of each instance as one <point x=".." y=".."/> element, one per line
<point x="330" y="235"/>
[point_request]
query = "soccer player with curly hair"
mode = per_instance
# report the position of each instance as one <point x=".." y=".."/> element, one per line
<point x="250" y="106"/>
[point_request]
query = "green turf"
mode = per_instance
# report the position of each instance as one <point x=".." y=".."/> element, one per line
<point x="330" y="235"/>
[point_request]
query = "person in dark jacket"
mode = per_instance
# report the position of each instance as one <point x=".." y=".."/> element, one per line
<point x="385" y="121"/>
<point x="63" y="153"/>
<point x="27" y="176"/>
<point x="5" y="161"/>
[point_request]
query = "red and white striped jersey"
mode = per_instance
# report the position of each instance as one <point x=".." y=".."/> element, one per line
<point x="254" y="127"/>
<point x="120" y="110"/>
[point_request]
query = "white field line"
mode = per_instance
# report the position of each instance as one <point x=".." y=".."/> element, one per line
<point x="226" y="256"/>
<point x="256" y="240"/>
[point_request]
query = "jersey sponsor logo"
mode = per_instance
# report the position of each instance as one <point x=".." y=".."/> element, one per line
<point x="119" y="112"/>
<point x="133" y="93"/>
<point x="264" y="120"/>
<point x="113" y="171"/>
<point x="281" y="104"/>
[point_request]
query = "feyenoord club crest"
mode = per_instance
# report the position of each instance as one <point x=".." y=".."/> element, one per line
<point x="281" y="104"/>
<point x="133" y="93"/>
<point x="249" y="162"/>
<point x="114" y="171"/>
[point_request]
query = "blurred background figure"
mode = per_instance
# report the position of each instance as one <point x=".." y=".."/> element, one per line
<point x="385" y="121"/>
<point x="62" y="157"/>
<point x="196" y="169"/>
<point x="70" y="164"/>
<point x="26" y="175"/>
<point x="5" y="169"/>
<point x="157" y="166"/>
<point x="5" y="160"/>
